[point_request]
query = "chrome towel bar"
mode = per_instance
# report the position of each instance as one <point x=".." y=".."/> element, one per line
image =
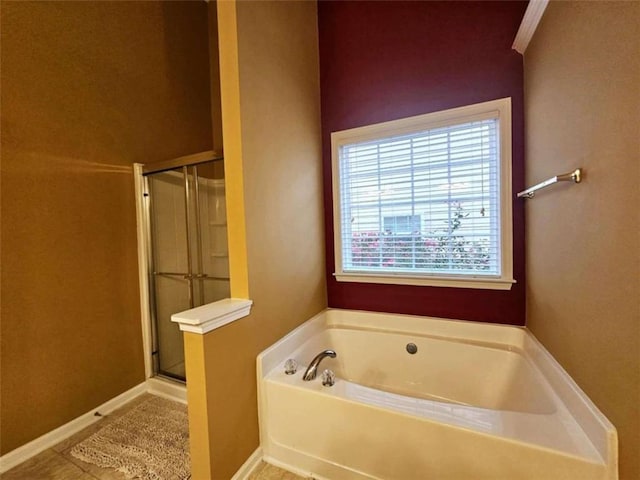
<point x="575" y="177"/>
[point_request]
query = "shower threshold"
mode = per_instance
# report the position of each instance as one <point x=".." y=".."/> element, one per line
<point x="168" y="388"/>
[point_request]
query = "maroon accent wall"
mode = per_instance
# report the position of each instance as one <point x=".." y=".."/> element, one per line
<point x="382" y="61"/>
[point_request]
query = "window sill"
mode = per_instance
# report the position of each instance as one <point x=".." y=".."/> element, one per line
<point x="479" y="283"/>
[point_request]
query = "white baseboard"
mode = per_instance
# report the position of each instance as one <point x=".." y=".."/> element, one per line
<point x="249" y="466"/>
<point x="155" y="386"/>
<point x="48" y="440"/>
<point x="293" y="469"/>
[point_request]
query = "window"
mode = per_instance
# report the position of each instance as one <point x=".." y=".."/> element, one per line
<point x="406" y="224"/>
<point x="426" y="200"/>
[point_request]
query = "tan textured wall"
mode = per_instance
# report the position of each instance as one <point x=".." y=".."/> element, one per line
<point x="280" y="114"/>
<point x="582" y="90"/>
<point x="88" y="88"/>
<point x="214" y="75"/>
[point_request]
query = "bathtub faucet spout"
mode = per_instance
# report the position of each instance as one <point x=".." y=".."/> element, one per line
<point x="312" y="369"/>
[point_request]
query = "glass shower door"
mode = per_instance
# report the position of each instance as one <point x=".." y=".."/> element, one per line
<point x="189" y="264"/>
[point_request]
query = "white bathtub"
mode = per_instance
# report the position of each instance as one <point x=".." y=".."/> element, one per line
<point x="477" y="401"/>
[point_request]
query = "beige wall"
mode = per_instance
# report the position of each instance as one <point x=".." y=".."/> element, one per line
<point x="582" y="91"/>
<point x="281" y="161"/>
<point x="88" y="88"/>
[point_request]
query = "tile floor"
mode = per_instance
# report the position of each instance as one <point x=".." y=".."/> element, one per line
<point x="57" y="463"/>
<point x="269" y="472"/>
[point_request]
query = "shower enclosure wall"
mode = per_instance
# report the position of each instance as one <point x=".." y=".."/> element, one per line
<point x="187" y="254"/>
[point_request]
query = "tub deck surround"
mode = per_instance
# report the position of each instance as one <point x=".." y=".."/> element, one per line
<point x="474" y="401"/>
<point x="214" y="315"/>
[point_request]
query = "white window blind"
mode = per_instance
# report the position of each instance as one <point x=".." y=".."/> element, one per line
<point x="424" y="202"/>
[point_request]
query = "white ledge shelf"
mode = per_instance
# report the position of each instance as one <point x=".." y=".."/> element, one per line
<point x="212" y="315"/>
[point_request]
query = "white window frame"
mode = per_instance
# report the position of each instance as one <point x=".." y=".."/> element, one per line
<point x="500" y="109"/>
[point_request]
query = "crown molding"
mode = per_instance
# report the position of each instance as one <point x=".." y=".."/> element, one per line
<point x="529" y="23"/>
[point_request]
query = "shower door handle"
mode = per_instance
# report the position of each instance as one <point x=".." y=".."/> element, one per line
<point x="186" y="276"/>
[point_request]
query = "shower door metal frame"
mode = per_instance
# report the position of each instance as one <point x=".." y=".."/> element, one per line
<point x="186" y="161"/>
<point x="152" y="365"/>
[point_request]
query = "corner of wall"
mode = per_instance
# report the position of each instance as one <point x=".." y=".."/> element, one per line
<point x="232" y="132"/>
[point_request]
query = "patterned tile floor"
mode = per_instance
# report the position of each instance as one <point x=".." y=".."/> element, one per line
<point x="56" y="463"/>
